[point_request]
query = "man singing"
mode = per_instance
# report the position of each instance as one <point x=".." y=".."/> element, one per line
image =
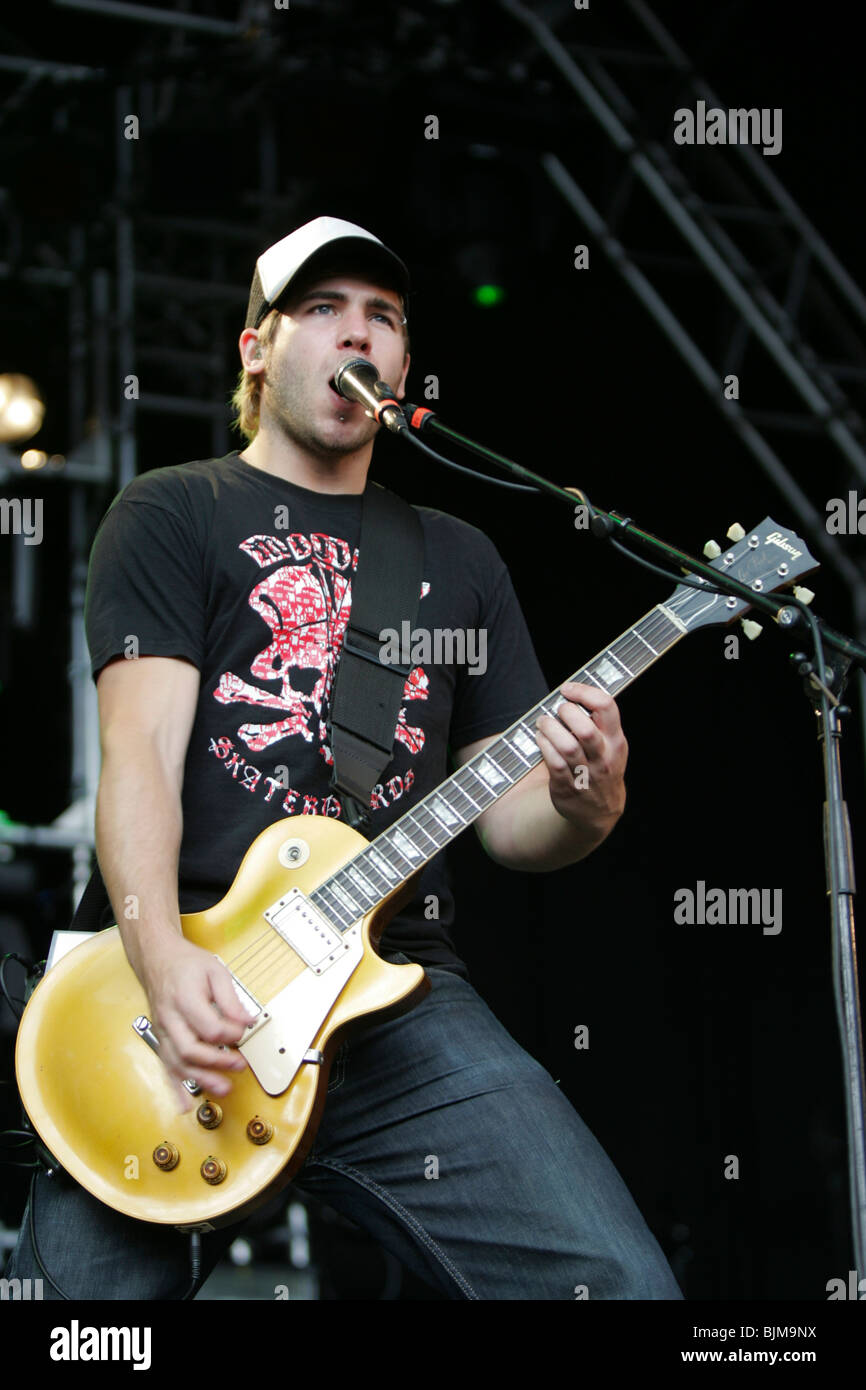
<point x="229" y="584"/>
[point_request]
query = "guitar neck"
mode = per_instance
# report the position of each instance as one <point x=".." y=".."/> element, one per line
<point x="395" y="855"/>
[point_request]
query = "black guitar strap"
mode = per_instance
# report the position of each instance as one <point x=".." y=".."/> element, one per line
<point x="367" y="693"/>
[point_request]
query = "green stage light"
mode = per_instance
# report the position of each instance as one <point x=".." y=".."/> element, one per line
<point x="488" y="295"/>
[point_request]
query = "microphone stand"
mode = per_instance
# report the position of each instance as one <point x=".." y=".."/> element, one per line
<point x="788" y="612"/>
<point x="819" y="681"/>
<point x="841" y="888"/>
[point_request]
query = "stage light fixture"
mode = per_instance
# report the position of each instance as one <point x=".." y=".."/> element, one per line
<point x="33" y="458"/>
<point x="484" y="270"/>
<point x="21" y="408"/>
<point x="488" y="296"/>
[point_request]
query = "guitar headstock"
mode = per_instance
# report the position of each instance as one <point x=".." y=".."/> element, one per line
<point x="766" y="559"/>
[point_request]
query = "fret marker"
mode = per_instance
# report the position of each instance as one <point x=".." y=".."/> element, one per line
<point x="443" y="811"/>
<point x="343" y="898"/>
<point x="359" y="882"/>
<point x="490" y="772"/>
<point x="524" y="742"/>
<point x="405" y="845"/>
<point x="606" y="671"/>
<point x="385" y="869"/>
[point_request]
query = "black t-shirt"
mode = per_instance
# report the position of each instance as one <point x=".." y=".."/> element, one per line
<point x="249" y="577"/>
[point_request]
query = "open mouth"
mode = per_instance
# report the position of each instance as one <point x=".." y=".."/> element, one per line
<point x="341" y="399"/>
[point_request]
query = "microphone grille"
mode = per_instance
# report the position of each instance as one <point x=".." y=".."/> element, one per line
<point x="359" y="366"/>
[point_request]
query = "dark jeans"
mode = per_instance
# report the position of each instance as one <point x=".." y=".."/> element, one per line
<point x="526" y="1204"/>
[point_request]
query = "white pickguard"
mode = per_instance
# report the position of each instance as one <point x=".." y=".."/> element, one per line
<point x="276" y="1048"/>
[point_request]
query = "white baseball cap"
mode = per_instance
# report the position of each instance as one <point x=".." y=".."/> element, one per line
<point x="278" y="266"/>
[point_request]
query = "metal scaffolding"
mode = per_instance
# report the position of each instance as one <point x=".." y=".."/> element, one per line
<point x="744" y="241"/>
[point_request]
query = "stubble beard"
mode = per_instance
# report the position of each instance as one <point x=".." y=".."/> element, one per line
<point x="287" y="408"/>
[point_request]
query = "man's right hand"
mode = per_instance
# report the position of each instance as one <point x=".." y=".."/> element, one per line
<point x="194" y="1009"/>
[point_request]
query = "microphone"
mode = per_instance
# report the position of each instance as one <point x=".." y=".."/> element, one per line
<point x="358" y="380"/>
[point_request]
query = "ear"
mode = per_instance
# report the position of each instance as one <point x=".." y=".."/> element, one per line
<point x="251" y="354"/>
<point x="400" y="388"/>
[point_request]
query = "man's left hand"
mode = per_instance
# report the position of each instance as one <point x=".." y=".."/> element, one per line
<point x="585" y="752"/>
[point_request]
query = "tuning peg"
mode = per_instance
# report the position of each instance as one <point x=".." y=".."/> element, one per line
<point x="712" y="550"/>
<point x="735" y="532"/>
<point x="804" y="595"/>
<point x="751" y="628"/>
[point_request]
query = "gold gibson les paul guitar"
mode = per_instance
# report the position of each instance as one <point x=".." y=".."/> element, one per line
<point x="298" y="929"/>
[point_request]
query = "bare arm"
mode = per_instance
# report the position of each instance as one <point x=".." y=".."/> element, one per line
<point x="146" y="711"/>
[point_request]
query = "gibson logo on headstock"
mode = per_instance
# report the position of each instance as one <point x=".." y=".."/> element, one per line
<point x="776" y="538"/>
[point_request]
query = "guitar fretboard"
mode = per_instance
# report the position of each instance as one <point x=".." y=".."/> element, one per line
<point x="402" y="849"/>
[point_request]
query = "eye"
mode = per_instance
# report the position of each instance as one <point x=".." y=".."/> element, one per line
<point x="315" y="308"/>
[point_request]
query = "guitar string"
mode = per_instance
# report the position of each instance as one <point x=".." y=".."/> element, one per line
<point x="656" y="622"/>
<point x="505" y="760"/>
<point x="628" y="645"/>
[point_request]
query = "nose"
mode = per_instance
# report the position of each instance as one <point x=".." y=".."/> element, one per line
<point x="354" y="329"/>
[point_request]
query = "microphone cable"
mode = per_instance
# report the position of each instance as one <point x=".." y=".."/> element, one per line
<point x="413" y="439"/>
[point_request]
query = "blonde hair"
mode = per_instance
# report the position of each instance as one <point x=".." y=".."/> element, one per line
<point x="247" y="397"/>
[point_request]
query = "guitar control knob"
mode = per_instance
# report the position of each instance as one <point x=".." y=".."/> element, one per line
<point x="735" y="532"/>
<point x="712" y="550"/>
<point x="260" y="1131"/>
<point x="166" y="1157"/>
<point x="213" y="1170"/>
<point x="209" y="1115"/>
